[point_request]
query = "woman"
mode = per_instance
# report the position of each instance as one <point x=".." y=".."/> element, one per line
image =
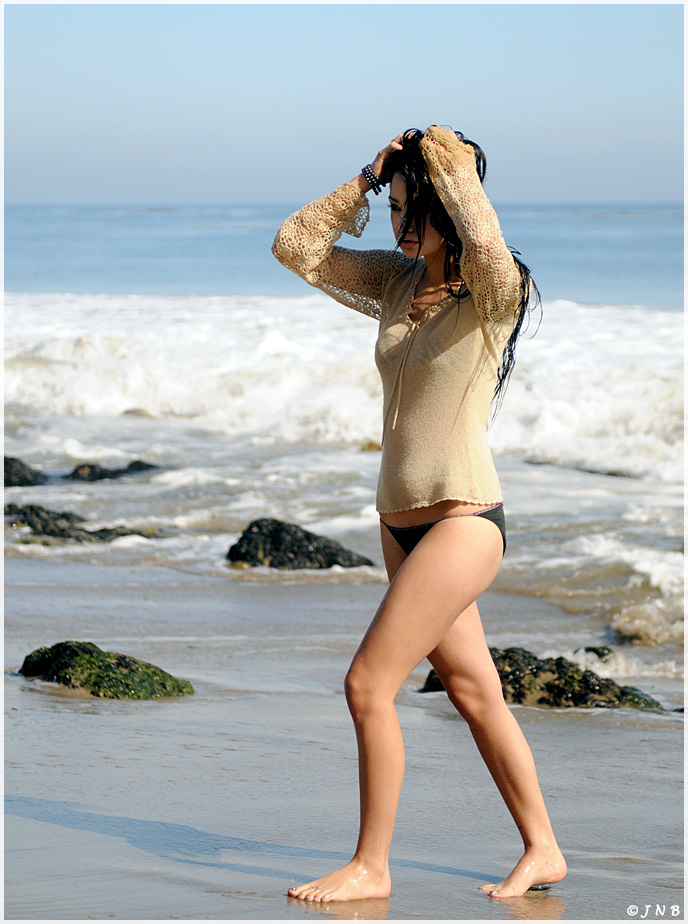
<point x="448" y="326"/>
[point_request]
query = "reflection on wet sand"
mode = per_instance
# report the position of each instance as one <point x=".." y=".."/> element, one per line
<point x="535" y="906"/>
<point x="542" y="906"/>
<point x="361" y="909"/>
<point x="532" y="907"/>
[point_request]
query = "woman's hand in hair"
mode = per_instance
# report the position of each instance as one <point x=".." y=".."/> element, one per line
<point x="378" y="164"/>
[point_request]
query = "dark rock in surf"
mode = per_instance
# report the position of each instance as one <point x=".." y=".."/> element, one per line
<point x="432" y="684"/>
<point x="531" y="681"/>
<point x="286" y="546"/>
<point x="91" y="471"/>
<point x="20" y="475"/>
<point x="603" y="652"/>
<point x="105" y="674"/>
<point x="62" y="525"/>
<point x="42" y="521"/>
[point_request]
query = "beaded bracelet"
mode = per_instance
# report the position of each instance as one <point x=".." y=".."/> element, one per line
<point x="372" y="178"/>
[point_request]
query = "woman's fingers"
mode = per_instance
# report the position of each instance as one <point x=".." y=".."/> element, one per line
<point x="379" y="163"/>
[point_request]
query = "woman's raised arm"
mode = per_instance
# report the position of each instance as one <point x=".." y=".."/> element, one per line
<point x="305" y="244"/>
<point x="487" y="265"/>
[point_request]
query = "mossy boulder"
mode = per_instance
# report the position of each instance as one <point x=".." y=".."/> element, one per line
<point x="287" y="546"/>
<point x="105" y="674"/>
<point x="20" y="475"/>
<point x="531" y="681"/>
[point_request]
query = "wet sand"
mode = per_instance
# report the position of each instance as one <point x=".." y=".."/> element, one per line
<point x="211" y="806"/>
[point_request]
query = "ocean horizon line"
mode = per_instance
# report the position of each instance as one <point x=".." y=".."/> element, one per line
<point x="296" y="203"/>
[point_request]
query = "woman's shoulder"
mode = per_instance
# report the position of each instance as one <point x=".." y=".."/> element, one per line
<point x="389" y="263"/>
<point x="403" y="271"/>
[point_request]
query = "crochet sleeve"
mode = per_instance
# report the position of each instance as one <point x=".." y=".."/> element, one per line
<point x="487" y="265"/>
<point x="305" y="244"/>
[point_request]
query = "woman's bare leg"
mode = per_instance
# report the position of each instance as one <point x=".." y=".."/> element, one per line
<point x="464" y="664"/>
<point x="452" y="565"/>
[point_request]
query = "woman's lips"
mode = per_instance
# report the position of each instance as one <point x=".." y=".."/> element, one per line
<point x="407" y="243"/>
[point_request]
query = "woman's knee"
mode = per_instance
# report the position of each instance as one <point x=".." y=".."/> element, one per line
<point x="365" y="691"/>
<point x="476" y="703"/>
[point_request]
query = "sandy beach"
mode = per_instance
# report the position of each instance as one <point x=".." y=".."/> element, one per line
<point x="211" y="806"/>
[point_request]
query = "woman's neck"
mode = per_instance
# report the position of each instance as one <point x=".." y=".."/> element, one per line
<point x="434" y="269"/>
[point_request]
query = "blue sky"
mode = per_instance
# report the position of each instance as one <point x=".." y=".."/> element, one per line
<point x="129" y="103"/>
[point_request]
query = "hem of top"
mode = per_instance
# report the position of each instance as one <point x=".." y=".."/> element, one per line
<point x="459" y="500"/>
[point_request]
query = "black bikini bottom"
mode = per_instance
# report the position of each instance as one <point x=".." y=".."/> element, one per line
<point x="408" y="537"/>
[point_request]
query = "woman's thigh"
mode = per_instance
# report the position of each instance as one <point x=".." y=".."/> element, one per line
<point x="451" y="566"/>
<point x="464" y="664"/>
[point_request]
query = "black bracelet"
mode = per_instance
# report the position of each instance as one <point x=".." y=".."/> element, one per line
<point x="372" y="178"/>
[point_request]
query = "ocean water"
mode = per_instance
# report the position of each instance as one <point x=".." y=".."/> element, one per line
<point x="171" y="334"/>
<point x="624" y="255"/>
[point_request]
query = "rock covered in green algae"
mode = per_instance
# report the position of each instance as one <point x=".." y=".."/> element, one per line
<point x="288" y="546"/>
<point x="106" y="674"/>
<point x="531" y="681"/>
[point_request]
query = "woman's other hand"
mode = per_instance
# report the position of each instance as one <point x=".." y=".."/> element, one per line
<point x="378" y="164"/>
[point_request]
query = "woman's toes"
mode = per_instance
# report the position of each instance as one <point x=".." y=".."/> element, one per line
<point x="306" y="893"/>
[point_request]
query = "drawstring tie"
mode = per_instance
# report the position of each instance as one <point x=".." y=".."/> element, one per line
<point x="397" y="387"/>
<point x="413" y="328"/>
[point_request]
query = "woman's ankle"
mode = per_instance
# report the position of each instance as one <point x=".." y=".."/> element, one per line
<point x="541" y="844"/>
<point x="375" y="866"/>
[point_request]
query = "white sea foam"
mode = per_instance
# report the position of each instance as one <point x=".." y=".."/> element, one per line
<point x="259" y="406"/>
<point x="660" y="568"/>
<point x="597" y="388"/>
<point x="651" y="623"/>
<point x="619" y="664"/>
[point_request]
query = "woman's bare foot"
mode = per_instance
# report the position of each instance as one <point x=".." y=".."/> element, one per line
<point x="537" y="866"/>
<point x="346" y="884"/>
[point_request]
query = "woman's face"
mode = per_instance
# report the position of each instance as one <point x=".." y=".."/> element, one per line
<point x="432" y="241"/>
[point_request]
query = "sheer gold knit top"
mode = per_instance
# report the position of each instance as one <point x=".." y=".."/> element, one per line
<point x="438" y="374"/>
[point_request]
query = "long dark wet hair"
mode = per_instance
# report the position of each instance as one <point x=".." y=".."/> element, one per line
<point x="423" y="204"/>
